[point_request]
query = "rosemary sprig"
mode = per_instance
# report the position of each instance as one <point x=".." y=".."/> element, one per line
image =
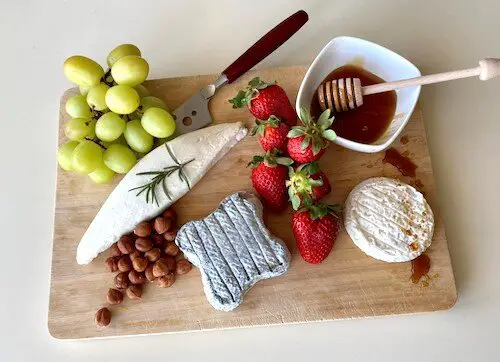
<point x="159" y="179"/>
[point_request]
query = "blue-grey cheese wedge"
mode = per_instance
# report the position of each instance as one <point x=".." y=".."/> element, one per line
<point x="198" y="151"/>
<point x="233" y="249"/>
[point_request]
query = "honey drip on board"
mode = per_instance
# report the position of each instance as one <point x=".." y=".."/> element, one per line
<point x="420" y="267"/>
<point x="402" y="163"/>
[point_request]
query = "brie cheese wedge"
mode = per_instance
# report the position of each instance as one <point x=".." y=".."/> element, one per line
<point x="388" y="219"/>
<point x="124" y="209"/>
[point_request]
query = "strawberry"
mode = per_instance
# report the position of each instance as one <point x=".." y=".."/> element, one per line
<point x="272" y="134"/>
<point x="315" y="230"/>
<point x="307" y="183"/>
<point x="264" y="100"/>
<point x="269" y="174"/>
<point x="308" y="143"/>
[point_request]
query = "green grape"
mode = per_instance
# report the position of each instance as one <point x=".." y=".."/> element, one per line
<point x="65" y="154"/>
<point x="122" y="99"/>
<point x="160" y="141"/>
<point x="87" y="156"/>
<point x="101" y="175"/>
<point x="150" y="101"/>
<point x="84" y="90"/>
<point x="130" y="70"/>
<point x="77" y="107"/>
<point x="121" y="51"/>
<point x="119" y="158"/>
<point x="119" y="141"/>
<point x="137" y="138"/>
<point x="158" y="122"/>
<point x="141" y="90"/>
<point x="92" y="123"/>
<point x="76" y="129"/>
<point x="83" y="71"/>
<point x="96" y="97"/>
<point x="109" y="127"/>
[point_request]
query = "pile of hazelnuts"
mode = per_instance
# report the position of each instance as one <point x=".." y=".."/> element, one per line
<point x="149" y="254"/>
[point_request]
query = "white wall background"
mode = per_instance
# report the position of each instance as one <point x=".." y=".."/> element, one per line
<point x="194" y="37"/>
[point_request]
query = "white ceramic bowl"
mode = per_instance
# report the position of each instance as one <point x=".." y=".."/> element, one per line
<point x="376" y="59"/>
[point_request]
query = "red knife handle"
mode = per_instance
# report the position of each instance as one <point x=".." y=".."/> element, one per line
<point x="266" y="45"/>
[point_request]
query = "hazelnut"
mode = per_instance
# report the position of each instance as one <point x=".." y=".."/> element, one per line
<point x="140" y="264"/>
<point x="183" y="267"/>
<point x="114" y="250"/>
<point x="134" y="292"/>
<point x="166" y="280"/>
<point x="153" y="254"/>
<point x="160" y="269"/>
<point x="149" y="273"/>
<point x="143" y="244"/>
<point x="136" y="278"/>
<point x="171" y="249"/>
<point x="143" y="229"/>
<point x="126" y="244"/>
<point x="103" y="317"/>
<point x="121" y="280"/>
<point x="114" y="296"/>
<point x="161" y="224"/>
<point x="158" y="239"/>
<point x="134" y="254"/>
<point x="169" y="261"/>
<point x="170" y="214"/>
<point x="170" y="235"/>
<point x="111" y="263"/>
<point x="124" y="263"/>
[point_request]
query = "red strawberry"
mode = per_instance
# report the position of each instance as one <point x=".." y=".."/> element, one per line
<point x="307" y="184"/>
<point x="264" y="100"/>
<point x="315" y="230"/>
<point x="269" y="175"/>
<point x="272" y="134"/>
<point x="308" y="143"/>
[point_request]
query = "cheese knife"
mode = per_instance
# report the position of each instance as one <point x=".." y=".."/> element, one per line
<point x="194" y="113"/>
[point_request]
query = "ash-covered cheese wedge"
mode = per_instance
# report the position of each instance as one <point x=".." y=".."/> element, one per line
<point x="190" y="156"/>
<point x="388" y="219"/>
<point x="233" y="249"/>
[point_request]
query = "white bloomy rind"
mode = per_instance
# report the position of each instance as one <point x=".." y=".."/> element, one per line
<point x="123" y="210"/>
<point x="388" y="219"/>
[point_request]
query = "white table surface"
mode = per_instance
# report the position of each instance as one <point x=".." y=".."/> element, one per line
<point x="194" y="37"/>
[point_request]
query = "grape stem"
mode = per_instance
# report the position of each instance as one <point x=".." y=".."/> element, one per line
<point x="97" y="142"/>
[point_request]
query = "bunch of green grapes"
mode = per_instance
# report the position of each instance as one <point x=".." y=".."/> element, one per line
<point x="114" y="120"/>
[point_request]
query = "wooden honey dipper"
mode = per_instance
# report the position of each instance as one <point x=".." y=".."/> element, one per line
<point x="347" y="93"/>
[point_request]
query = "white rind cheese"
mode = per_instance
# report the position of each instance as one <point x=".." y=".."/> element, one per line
<point x="388" y="219"/>
<point x="123" y="210"/>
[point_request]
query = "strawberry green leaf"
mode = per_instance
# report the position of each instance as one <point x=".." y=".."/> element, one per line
<point x="329" y="134"/>
<point x="284" y="161"/>
<point x="318" y="182"/>
<point x="291" y="172"/>
<point x="295" y="199"/>
<point x="240" y="100"/>
<point x="305" y="142"/>
<point x="304" y="115"/>
<point x="296" y="132"/>
<point x="316" y="146"/>
<point x="273" y="121"/>
<point x="257" y="83"/>
<point x="324" y="120"/>
<point x="312" y="168"/>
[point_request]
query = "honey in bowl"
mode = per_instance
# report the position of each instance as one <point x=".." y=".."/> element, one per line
<point x="367" y="123"/>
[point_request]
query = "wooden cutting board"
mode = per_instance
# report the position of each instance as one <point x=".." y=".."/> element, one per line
<point x="347" y="284"/>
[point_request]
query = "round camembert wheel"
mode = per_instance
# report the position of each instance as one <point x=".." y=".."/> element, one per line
<point x="388" y="219"/>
